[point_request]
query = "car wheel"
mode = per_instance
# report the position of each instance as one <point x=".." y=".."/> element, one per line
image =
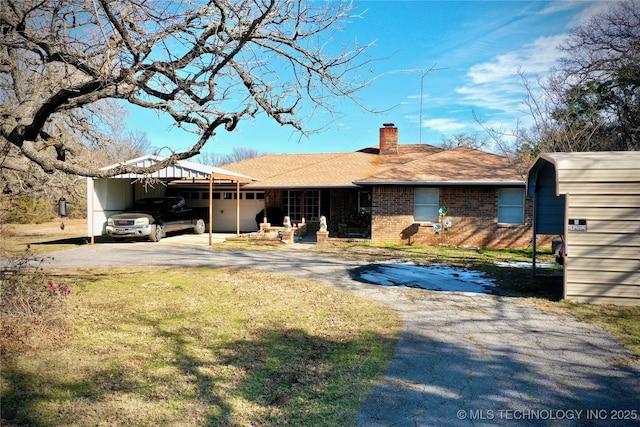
<point x="156" y="233"/>
<point x="199" y="227"/>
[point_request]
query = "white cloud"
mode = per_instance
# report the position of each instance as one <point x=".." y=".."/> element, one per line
<point x="594" y="8"/>
<point x="497" y="83"/>
<point x="559" y="6"/>
<point x="444" y="125"/>
<point x="587" y="9"/>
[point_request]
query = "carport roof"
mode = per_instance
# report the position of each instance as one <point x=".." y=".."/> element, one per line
<point x="182" y="169"/>
<point x="586" y="169"/>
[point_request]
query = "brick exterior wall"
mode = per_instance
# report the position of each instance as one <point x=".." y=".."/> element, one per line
<point x="473" y="211"/>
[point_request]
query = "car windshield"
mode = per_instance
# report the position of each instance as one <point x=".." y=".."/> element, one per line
<point x="148" y="204"/>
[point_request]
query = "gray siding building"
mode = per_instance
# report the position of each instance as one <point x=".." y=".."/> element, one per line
<point x="592" y="201"/>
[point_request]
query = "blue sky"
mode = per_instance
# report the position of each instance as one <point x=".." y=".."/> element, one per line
<point x="476" y="47"/>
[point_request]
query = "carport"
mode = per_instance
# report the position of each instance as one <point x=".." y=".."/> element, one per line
<point x="108" y="196"/>
<point x="592" y="201"/>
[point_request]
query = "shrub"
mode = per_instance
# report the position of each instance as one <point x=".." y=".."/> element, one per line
<point x="33" y="308"/>
<point x="29" y="210"/>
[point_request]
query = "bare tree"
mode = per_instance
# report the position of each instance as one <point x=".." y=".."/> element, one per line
<point x="509" y="143"/>
<point x="557" y="127"/>
<point x="26" y="184"/>
<point x="204" y="64"/>
<point x="594" y="95"/>
<point x="474" y="140"/>
<point x="591" y="101"/>
<point x="237" y="154"/>
<point x="552" y="130"/>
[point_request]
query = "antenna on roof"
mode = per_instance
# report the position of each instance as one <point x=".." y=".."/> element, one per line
<point x="423" y="72"/>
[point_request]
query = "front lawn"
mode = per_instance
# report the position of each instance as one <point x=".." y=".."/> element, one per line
<point x="202" y="347"/>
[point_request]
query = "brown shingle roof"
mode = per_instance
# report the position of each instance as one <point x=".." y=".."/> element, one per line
<point x="459" y="165"/>
<point x="417" y="163"/>
<point x="307" y="170"/>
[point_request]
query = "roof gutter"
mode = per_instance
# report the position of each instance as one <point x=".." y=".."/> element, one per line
<point x="441" y="183"/>
<point x="258" y="186"/>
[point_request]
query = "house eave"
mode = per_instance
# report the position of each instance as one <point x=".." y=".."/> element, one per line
<point x="444" y="183"/>
<point x="258" y="186"/>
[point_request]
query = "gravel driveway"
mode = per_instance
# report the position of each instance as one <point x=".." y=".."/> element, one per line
<point x="463" y="359"/>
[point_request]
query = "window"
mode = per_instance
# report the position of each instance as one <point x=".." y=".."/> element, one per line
<point x="299" y="204"/>
<point x="426" y="201"/>
<point x="364" y="202"/>
<point x="511" y="206"/>
<point x="292" y="205"/>
<point x="312" y="205"/>
<point x="249" y="196"/>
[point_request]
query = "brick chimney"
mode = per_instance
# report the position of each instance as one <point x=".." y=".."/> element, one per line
<point x="388" y="139"/>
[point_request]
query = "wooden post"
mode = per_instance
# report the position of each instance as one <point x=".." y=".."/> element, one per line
<point x="90" y="205"/>
<point x="237" y="207"/>
<point x="211" y="209"/>
<point x="264" y="219"/>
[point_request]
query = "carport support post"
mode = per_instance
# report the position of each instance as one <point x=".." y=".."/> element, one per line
<point x="237" y="207"/>
<point x="90" y="209"/>
<point x="266" y="201"/>
<point x="211" y="209"/>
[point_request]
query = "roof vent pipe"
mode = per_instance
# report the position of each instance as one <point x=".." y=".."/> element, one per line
<point x="388" y="139"/>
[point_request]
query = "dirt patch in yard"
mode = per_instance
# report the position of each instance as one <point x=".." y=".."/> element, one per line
<point x="72" y="227"/>
<point x="42" y="238"/>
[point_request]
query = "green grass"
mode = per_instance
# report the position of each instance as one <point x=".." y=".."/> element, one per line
<point x="228" y="347"/>
<point x="622" y="321"/>
<point x="202" y="347"/>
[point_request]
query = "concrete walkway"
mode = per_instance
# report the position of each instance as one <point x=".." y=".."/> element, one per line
<point x="464" y="359"/>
